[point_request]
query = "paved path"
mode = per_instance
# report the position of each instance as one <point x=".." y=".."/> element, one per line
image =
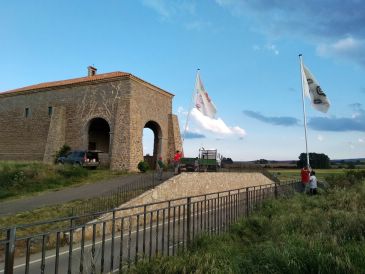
<point x="71" y="193"/>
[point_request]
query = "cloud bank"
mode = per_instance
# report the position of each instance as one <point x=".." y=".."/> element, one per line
<point x="334" y="27"/>
<point x="354" y="123"/>
<point x="193" y="135"/>
<point x="217" y="126"/>
<point x="277" y="121"/>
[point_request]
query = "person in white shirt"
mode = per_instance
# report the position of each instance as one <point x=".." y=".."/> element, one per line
<point x="313" y="183"/>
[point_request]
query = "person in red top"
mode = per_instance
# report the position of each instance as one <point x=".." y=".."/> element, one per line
<point x="305" y="175"/>
<point x="177" y="159"/>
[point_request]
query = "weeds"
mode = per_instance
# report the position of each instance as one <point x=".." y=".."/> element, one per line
<point x="303" y="234"/>
<point x="23" y="178"/>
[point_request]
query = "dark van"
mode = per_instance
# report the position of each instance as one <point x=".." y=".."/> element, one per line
<point x="84" y="158"/>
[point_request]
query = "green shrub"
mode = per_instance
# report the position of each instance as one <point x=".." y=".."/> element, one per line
<point x="69" y="171"/>
<point x="348" y="179"/>
<point x="143" y="166"/>
<point x="17" y="178"/>
<point x="62" y="152"/>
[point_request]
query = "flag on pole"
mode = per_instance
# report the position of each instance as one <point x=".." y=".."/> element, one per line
<point x="202" y="100"/>
<point x="313" y="90"/>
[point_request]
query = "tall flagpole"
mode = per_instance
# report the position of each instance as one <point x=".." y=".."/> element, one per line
<point x="304" y="114"/>
<point x="191" y="106"/>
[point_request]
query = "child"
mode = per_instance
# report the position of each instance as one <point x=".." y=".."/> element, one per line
<point x="313" y="183"/>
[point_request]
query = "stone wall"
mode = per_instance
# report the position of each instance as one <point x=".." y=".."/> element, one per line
<point x="127" y="104"/>
<point x="56" y="133"/>
<point x="198" y="183"/>
<point x="175" y="142"/>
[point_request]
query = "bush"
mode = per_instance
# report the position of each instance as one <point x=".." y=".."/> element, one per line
<point x="62" y="152"/>
<point x="143" y="166"/>
<point x="348" y="179"/>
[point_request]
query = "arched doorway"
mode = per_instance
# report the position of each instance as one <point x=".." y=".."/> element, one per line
<point x="151" y="142"/>
<point x="99" y="135"/>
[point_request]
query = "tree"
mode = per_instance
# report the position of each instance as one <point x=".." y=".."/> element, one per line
<point x="62" y="152"/>
<point x="315" y="160"/>
<point x="262" y="161"/>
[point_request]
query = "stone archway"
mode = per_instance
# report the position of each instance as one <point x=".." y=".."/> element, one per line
<point x="99" y="135"/>
<point x="157" y="143"/>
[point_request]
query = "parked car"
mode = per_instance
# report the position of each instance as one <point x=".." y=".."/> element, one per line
<point x="84" y="158"/>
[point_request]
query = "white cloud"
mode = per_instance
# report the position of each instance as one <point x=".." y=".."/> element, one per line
<point x="168" y="9"/>
<point x="347" y="48"/>
<point x="197" y="25"/>
<point x="320" y="138"/>
<point x="181" y="111"/>
<point x="268" y="47"/>
<point x="336" y="29"/>
<point x="272" y="48"/>
<point x="361" y="140"/>
<point x="216" y="125"/>
<point x="159" y="6"/>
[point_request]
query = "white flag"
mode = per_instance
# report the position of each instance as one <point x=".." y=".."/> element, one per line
<point x="202" y="101"/>
<point x="313" y="91"/>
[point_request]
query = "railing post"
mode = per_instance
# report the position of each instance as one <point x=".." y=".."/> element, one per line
<point x="188" y="220"/>
<point x="276" y="190"/>
<point x="112" y="243"/>
<point x="10" y="250"/>
<point x="247" y="202"/>
<point x="144" y="230"/>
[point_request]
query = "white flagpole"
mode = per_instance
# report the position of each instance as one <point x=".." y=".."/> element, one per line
<point x="191" y="107"/>
<point x="304" y="114"/>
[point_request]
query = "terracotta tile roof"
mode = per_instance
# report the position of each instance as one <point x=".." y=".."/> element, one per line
<point x="61" y="83"/>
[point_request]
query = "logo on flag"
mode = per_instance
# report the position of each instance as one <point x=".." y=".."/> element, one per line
<point x="313" y="90"/>
<point x="202" y="100"/>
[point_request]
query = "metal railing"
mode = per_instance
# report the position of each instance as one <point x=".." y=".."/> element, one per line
<point x="119" y="196"/>
<point x="122" y="237"/>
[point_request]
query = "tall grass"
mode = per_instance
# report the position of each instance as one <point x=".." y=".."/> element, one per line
<point x="17" y="178"/>
<point x="302" y="234"/>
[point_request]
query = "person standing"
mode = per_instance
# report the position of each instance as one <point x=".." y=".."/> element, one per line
<point x="160" y="167"/>
<point x="313" y="183"/>
<point x="305" y="177"/>
<point x="177" y="159"/>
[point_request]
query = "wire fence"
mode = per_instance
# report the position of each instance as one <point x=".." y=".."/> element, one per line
<point x="118" y="238"/>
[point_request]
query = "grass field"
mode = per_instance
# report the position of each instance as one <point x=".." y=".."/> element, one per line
<point x="302" y="234"/>
<point x="289" y="174"/>
<point x="27" y="178"/>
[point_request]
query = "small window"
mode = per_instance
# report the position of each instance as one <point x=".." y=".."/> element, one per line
<point x="50" y="111"/>
<point x="27" y="112"/>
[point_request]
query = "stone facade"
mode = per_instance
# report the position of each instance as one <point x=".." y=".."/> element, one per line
<point x="106" y="112"/>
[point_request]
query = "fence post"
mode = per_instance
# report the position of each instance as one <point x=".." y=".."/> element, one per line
<point x="276" y="190"/>
<point x="10" y="250"/>
<point x="188" y="221"/>
<point x="247" y="202"/>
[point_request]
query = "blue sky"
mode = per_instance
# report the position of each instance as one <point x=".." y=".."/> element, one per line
<point x="247" y="52"/>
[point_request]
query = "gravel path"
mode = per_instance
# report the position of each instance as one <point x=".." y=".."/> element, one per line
<point x="71" y="193"/>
